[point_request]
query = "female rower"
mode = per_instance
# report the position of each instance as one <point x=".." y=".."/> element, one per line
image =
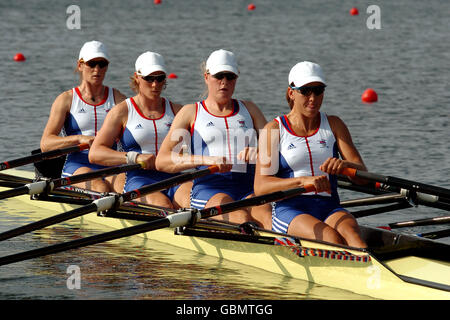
<point x="79" y="114"/>
<point x="301" y="148"/>
<point x="218" y="130"/>
<point x="141" y="123"/>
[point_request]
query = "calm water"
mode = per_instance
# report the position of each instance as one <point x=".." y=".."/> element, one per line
<point x="404" y="134"/>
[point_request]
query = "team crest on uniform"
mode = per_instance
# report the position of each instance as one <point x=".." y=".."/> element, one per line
<point x="323" y="143"/>
<point x="168" y="124"/>
<point x="242" y="124"/>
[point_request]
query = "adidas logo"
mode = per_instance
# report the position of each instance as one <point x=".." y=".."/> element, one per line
<point x="82" y="110"/>
<point x="139" y="126"/>
<point x="210" y="124"/>
<point x="291" y="146"/>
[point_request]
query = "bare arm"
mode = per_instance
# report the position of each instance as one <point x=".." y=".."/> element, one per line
<point x="101" y="151"/>
<point x="171" y="158"/>
<point x="50" y="139"/>
<point x="350" y="155"/>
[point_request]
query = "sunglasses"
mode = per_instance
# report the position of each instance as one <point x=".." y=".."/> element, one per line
<point x="158" y="78"/>
<point x="93" y="63"/>
<point x="230" y="76"/>
<point x="308" y="90"/>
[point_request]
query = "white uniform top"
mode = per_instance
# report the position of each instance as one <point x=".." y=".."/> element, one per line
<point x="86" y="118"/>
<point x="143" y="134"/>
<point x="302" y="156"/>
<point x="223" y="136"/>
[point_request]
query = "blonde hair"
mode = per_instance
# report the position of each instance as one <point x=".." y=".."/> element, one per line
<point x="134" y="84"/>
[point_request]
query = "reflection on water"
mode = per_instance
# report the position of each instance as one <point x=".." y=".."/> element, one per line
<point x="124" y="269"/>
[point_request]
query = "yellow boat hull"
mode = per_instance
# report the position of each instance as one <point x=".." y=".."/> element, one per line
<point x="353" y="270"/>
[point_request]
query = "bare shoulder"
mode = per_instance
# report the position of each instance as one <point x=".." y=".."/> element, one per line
<point x="119" y="110"/>
<point x="188" y="110"/>
<point x="272" y="125"/>
<point x="176" y="107"/>
<point x="251" y="106"/>
<point x="185" y="117"/>
<point x="118" y="96"/>
<point x="259" y="119"/>
<point x="65" y="96"/>
<point x="63" y="101"/>
<point x="336" y="123"/>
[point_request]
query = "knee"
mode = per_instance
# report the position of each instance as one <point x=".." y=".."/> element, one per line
<point x="331" y="235"/>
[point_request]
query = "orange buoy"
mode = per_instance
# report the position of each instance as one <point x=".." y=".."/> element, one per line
<point x="354" y="11"/>
<point x="172" y="76"/>
<point x="251" y="7"/>
<point x="19" y="57"/>
<point x="157" y="1"/>
<point x="369" y="96"/>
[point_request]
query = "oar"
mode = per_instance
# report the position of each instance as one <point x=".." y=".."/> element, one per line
<point x="49" y="185"/>
<point x="11" y="178"/>
<point x="398" y="182"/>
<point x="435" y="234"/>
<point x="108" y="202"/>
<point x="179" y="219"/>
<point x="421" y="222"/>
<point x="41" y="156"/>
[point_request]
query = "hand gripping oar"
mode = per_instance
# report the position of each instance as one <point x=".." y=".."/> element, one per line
<point x="109" y="202"/>
<point x="48" y="186"/>
<point x="398" y="182"/>
<point x="179" y="219"/>
<point x="41" y="156"/>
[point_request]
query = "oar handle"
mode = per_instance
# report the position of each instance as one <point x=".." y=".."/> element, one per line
<point x="397" y="182"/>
<point x="42" y="156"/>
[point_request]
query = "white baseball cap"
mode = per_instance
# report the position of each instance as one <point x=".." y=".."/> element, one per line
<point x="149" y="62"/>
<point x="93" y="49"/>
<point x="305" y="72"/>
<point x="222" y="60"/>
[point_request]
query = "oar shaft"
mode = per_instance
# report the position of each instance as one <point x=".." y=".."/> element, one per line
<point x="112" y="235"/>
<point x="50" y="185"/>
<point x="41" y="156"/>
<point x="254" y="201"/>
<point x="48" y="221"/>
<point x="398" y="182"/>
<point x="421" y="222"/>
<point x="94" y="175"/>
<point x="14" y="192"/>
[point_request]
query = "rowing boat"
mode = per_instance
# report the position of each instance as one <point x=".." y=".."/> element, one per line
<point x="396" y="266"/>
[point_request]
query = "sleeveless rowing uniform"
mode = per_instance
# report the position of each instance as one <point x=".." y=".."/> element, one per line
<point x="223" y="136"/>
<point x="145" y="135"/>
<point x="302" y="156"/>
<point x="85" y="119"/>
